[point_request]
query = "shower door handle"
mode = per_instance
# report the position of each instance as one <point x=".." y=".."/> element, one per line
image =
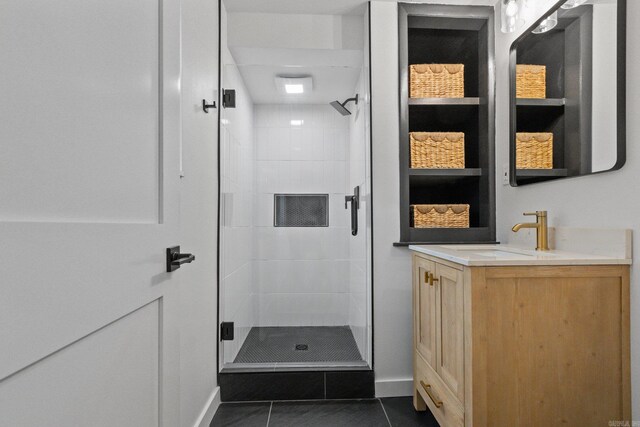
<point x="355" y="205"/>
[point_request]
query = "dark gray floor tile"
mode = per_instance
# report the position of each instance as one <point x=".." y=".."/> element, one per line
<point x="402" y="414"/>
<point x="344" y="413"/>
<point x="241" y="415"/>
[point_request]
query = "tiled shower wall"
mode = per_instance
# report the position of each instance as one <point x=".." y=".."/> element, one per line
<point x="301" y="275"/>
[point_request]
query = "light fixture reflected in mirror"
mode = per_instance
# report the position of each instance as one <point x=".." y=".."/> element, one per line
<point x="548" y="24"/>
<point x="570" y="4"/>
<point x="511" y="13"/>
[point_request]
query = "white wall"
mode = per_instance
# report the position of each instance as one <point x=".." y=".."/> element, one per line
<point x="237" y="166"/>
<point x="301" y="274"/>
<point x="604" y="151"/>
<point x="199" y="214"/>
<point x="311" y="31"/>
<point x="393" y="326"/>
<point x="610" y="200"/>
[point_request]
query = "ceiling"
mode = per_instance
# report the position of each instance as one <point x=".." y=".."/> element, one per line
<point x="329" y="84"/>
<point x="326" y="7"/>
<point x="318" y="38"/>
<point x="328" y="48"/>
<point x="335" y="73"/>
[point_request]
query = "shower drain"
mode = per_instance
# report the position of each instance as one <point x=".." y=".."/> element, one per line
<point x="302" y="347"/>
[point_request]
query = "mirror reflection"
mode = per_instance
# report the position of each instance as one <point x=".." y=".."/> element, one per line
<point x="565" y="104"/>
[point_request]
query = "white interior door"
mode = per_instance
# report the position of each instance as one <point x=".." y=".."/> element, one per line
<point x="89" y="200"/>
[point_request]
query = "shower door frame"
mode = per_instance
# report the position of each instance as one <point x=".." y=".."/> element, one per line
<point x="341" y="370"/>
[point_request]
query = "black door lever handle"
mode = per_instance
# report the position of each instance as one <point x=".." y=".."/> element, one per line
<point x="179" y="259"/>
<point x="175" y="259"/>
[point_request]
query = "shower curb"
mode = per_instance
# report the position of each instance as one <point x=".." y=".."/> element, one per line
<point x="305" y="385"/>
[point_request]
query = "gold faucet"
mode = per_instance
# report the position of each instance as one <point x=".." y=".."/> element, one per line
<point x="542" y="232"/>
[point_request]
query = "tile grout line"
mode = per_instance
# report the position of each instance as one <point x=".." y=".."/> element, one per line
<point x="385" y="412"/>
<point x="269" y="417"/>
<point x="325" y="385"/>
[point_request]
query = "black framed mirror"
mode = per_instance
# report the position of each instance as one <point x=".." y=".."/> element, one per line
<point x="568" y="93"/>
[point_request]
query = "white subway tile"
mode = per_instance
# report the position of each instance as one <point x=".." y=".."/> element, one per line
<point x="297" y="146"/>
<point x="303" y="310"/>
<point x="304" y="243"/>
<point x="307" y="177"/>
<point x="338" y="215"/>
<point x="335" y="177"/>
<point x="272" y="276"/>
<point x="267" y="176"/>
<point x="337" y="243"/>
<point x="302" y="276"/>
<point x="263" y="144"/>
<point x="338" y="275"/>
<point x="283" y="143"/>
<point x="263" y="210"/>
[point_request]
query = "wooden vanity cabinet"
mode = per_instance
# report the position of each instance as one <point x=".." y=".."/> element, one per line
<point x="424" y="301"/>
<point x="521" y="346"/>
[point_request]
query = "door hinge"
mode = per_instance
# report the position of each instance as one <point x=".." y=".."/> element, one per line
<point x="229" y="98"/>
<point x="226" y="331"/>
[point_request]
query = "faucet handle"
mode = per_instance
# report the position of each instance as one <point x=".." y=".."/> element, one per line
<point x="536" y="213"/>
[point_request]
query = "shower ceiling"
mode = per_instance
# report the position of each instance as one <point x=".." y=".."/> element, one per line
<point x="330" y="49"/>
<point x="328" y="84"/>
<point x="335" y="72"/>
<point x="325" y="7"/>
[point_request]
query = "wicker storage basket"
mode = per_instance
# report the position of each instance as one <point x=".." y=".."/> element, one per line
<point x="437" y="150"/>
<point x="534" y="150"/>
<point x="440" y="216"/>
<point x="437" y="81"/>
<point x="531" y="81"/>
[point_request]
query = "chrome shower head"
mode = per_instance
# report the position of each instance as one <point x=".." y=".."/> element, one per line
<point x="340" y="106"/>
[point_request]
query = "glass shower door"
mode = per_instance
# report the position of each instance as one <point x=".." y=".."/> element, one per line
<point x="295" y="271"/>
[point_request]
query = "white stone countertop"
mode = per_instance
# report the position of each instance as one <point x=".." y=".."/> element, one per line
<point x="508" y="255"/>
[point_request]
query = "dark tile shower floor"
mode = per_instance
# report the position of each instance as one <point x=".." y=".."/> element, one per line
<point x="299" y="344"/>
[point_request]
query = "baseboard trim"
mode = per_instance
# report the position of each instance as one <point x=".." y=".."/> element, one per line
<point x="394" y="388"/>
<point x="209" y="410"/>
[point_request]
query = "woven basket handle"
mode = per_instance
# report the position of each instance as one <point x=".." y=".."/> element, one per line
<point x="438" y="68"/>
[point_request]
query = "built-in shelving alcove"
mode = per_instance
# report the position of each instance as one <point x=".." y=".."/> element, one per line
<point x="437" y="34"/>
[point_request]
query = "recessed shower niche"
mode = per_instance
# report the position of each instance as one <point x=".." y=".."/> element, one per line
<point x="301" y="210"/>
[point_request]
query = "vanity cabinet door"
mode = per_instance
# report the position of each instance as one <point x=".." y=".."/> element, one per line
<point x="449" y="288"/>
<point x="424" y="310"/>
